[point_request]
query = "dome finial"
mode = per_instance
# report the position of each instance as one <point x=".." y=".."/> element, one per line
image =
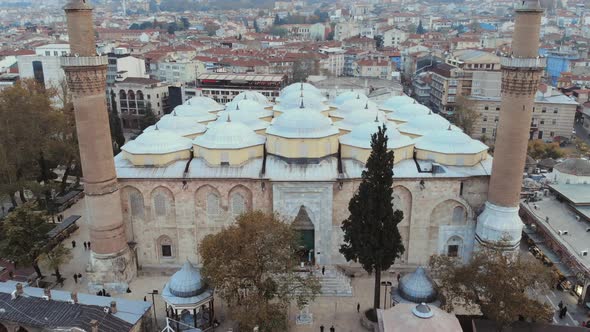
<point x="430" y="112"/>
<point x="376" y="118"/>
<point x="237" y="106"/>
<point x="245" y="96"/>
<point x="228" y="118"/>
<point x="449" y="129"/>
<point x="301" y="85"/>
<point x="367" y="105"/>
<point x="173" y="112"/>
<point x="301" y="106"/>
<point x="358" y="95"/>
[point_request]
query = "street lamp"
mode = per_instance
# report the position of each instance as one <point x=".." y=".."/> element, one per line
<point x="152" y="293"/>
<point x="385" y="284"/>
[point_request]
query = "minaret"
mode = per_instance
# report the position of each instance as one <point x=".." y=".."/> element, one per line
<point x="111" y="260"/>
<point x="521" y="73"/>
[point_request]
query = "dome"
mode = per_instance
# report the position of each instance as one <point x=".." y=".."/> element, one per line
<point x="421" y="125"/>
<point x="294" y="101"/>
<point x="354" y="119"/>
<point x="417" y="287"/>
<point x="229" y="135"/>
<point x="407" y="112"/>
<point x="296" y="87"/>
<point x="450" y="142"/>
<point x="248" y="106"/>
<point x="157" y="142"/>
<point x="179" y="125"/>
<point x="186" y="282"/>
<point x="358" y="105"/>
<point x="346" y="96"/>
<point x="360" y="136"/>
<point x="302" y="123"/>
<point x="249" y="119"/>
<point x="393" y="103"/>
<point x="210" y="104"/>
<point x="574" y="166"/>
<point x="252" y="95"/>
<point x="198" y="115"/>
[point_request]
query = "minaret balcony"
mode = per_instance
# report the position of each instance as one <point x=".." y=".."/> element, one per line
<point x="83" y="61"/>
<point x="538" y="63"/>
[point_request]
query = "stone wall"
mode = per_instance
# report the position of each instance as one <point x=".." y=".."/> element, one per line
<point x="171" y="212"/>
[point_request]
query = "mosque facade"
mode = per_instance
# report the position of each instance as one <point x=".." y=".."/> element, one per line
<point x="302" y="157"/>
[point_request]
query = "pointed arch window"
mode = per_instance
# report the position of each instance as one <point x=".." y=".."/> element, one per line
<point x="238" y="204"/>
<point x="213" y="208"/>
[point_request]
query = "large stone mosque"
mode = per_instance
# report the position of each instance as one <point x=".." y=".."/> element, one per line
<point x="302" y="157"/>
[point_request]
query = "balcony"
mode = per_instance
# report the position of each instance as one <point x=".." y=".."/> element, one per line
<point x="538" y="63"/>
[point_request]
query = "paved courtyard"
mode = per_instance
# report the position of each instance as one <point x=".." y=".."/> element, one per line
<point x="338" y="311"/>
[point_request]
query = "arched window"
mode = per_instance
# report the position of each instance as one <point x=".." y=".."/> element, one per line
<point x="165" y="246"/>
<point x="458" y="214"/>
<point x="238" y="204"/>
<point x="122" y="94"/>
<point x="213" y="208"/>
<point x="139" y="95"/>
<point x="136" y="204"/>
<point x="455" y="246"/>
<point x="160" y="205"/>
<point x="131" y="94"/>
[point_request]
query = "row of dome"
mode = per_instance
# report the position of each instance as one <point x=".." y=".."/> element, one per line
<point x="302" y="124"/>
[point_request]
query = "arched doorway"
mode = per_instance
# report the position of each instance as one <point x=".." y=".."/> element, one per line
<point x="304" y="227"/>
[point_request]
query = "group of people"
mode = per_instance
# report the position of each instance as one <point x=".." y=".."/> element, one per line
<point x="332" y="329"/>
<point x="562" y="309"/>
<point x="77" y="276"/>
<point x="86" y="245"/>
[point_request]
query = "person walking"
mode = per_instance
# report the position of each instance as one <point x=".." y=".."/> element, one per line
<point x="564" y="310"/>
<point x="85" y="246"/>
<point x="323" y="270"/>
<point x="321" y="328"/>
<point x="332" y="329"/>
<point x="560" y="305"/>
<point x="358" y="307"/>
<point x="75" y="278"/>
<point x="399" y="275"/>
<point x="88" y="244"/>
<point x="73" y="244"/>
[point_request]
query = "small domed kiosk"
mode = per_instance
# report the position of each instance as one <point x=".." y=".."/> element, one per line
<point x="157" y="148"/>
<point x="188" y="299"/>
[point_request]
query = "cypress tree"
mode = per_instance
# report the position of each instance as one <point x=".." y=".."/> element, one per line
<point x="371" y="236"/>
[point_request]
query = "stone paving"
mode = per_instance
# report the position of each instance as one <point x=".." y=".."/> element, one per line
<point x="327" y="311"/>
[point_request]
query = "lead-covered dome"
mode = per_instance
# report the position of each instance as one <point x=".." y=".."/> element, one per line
<point x="248" y="106"/>
<point x="229" y="135"/>
<point x="417" y="287"/>
<point x="294" y="101"/>
<point x="302" y="123"/>
<point x="393" y="103"/>
<point x="252" y="95"/>
<point x="187" y="282"/>
<point x="408" y="112"/>
<point x="574" y="166"/>
<point x="354" y="106"/>
<point x="421" y="125"/>
<point x="183" y="126"/>
<point x="205" y="103"/>
<point x="296" y="87"/>
<point x="249" y="119"/>
<point x="360" y="136"/>
<point x="450" y="142"/>
<point x="190" y="112"/>
<point x="157" y="142"/>
<point x="354" y="119"/>
<point x="346" y="96"/>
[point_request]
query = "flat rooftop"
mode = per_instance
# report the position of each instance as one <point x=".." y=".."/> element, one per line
<point x="561" y="217"/>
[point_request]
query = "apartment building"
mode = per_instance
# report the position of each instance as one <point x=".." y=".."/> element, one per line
<point x="465" y="73"/>
<point x="553" y="115"/>
<point x="121" y="63"/>
<point x="182" y="70"/>
<point x="373" y="68"/>
<point x="393" y="37"/>
<point x="134" y="95"/>
<point x="332" y="61"/>
<point x="223" y="87"/>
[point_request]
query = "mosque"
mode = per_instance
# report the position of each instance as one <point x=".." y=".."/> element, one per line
<point x="302" y="157"/>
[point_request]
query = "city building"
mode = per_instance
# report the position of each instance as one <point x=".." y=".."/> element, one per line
<point x="332" y="61"/>
<point x="180" y="70"/>
<point x="394" y="37"/>
<point x="464" y="73"/>
<point x="28" y="308"/>
<point x="224" y="87"/>
<point x="553" y="115"/>
<point x="134" y="95"/>
<point x="558" y="62"/>
<point x="122" y="64"/>
<point x="373" y="68"/>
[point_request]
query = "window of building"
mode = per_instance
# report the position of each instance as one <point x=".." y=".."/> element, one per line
<point x="47" y="53"/>
<point x="238" y="204"/>
<point x="542" y="121"/>
<point x="63" y="53"/>
<point x="213" y="208"/>
<point x="160" y="205"/>
<point x="55" y="53"/>
<point x="544" y="110"/>
<point x="497" y="108"/>
<point x="486" y="107"/>
<point x="453" y="250"/>
<point x="166" y="250"/>
<point x="136" y="204"/>
<point x="540" y="134"/>
<point x="496" y="118"/>
<point x="553" y="121"/>
<point x="485" y="119"/>
<point x="555" y="110"/>
<point x="552" y="134"/>
<point x="483" y="130"/>
<point x="38" y="72"/>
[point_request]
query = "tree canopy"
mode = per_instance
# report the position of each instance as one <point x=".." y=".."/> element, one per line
<point x="538" y="149"/>
<point x="371" y="236"/>
<point x="504" y="287"/>
<point x="252" y="265"/>
<point x="24" y="235"/>
<point x="465" y="115"/>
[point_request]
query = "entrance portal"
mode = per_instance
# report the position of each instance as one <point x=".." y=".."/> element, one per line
<point x="304" y="227"/>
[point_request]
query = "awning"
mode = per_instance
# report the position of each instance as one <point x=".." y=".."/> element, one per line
<point x="69" y="221"/>
<point x="557" y="263"/>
